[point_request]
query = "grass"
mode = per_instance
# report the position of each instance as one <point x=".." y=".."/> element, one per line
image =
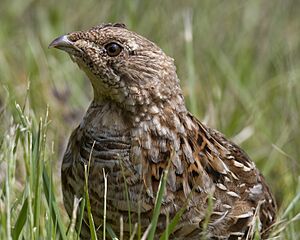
<point x="239" y="65"/>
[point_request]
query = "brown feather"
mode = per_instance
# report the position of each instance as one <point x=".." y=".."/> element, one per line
<point x="138" y="126"/>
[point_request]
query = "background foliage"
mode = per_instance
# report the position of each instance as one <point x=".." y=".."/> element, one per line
<point x="239" y="65"/>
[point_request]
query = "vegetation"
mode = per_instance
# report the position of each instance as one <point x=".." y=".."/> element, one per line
<point x="239" y="65"/>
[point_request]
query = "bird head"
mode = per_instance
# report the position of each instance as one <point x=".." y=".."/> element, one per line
<point x="122" y="66"/>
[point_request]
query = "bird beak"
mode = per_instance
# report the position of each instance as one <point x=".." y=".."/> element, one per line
<point x="63" y="43"/>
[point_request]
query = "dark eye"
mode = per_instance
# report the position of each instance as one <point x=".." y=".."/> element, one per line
<point x="113" y="49"/>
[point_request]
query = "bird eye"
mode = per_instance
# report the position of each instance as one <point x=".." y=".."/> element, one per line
<point x="113" y="49"/>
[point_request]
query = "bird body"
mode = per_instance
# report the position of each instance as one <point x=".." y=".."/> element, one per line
<point x="136" y="127"/>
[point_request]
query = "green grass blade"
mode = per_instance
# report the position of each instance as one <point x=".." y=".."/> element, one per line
<point x="111" y="232"/>
<point x="21" y="220"/>
<point x="81" y="213"/>
<point x="158" y="202"/>
<point x="37" y="187"/>
<point x="88" y="206"/>
<point x="55" y="210"/>
<point x="171" y="226"/>
<point x="292" y="205"/>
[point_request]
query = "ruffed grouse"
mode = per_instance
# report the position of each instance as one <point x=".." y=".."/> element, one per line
<point x="136" y="124"/>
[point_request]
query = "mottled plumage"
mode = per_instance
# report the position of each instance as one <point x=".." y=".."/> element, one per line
<point x="137" y="124"/>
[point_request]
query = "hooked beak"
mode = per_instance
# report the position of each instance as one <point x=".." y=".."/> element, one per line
<point x="63" y="43"/>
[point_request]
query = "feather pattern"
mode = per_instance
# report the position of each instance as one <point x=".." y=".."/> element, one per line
<point x="136" y="127"/>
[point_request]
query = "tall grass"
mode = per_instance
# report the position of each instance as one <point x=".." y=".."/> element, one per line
<point x="239" y="65"/>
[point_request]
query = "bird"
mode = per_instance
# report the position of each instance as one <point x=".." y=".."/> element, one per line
<point x="136" y="129"/>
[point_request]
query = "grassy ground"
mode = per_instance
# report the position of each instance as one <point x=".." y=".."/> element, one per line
<point x="239" y="65"/>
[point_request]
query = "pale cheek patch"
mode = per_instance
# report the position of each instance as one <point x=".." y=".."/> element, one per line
<point x="132" y="45"/>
